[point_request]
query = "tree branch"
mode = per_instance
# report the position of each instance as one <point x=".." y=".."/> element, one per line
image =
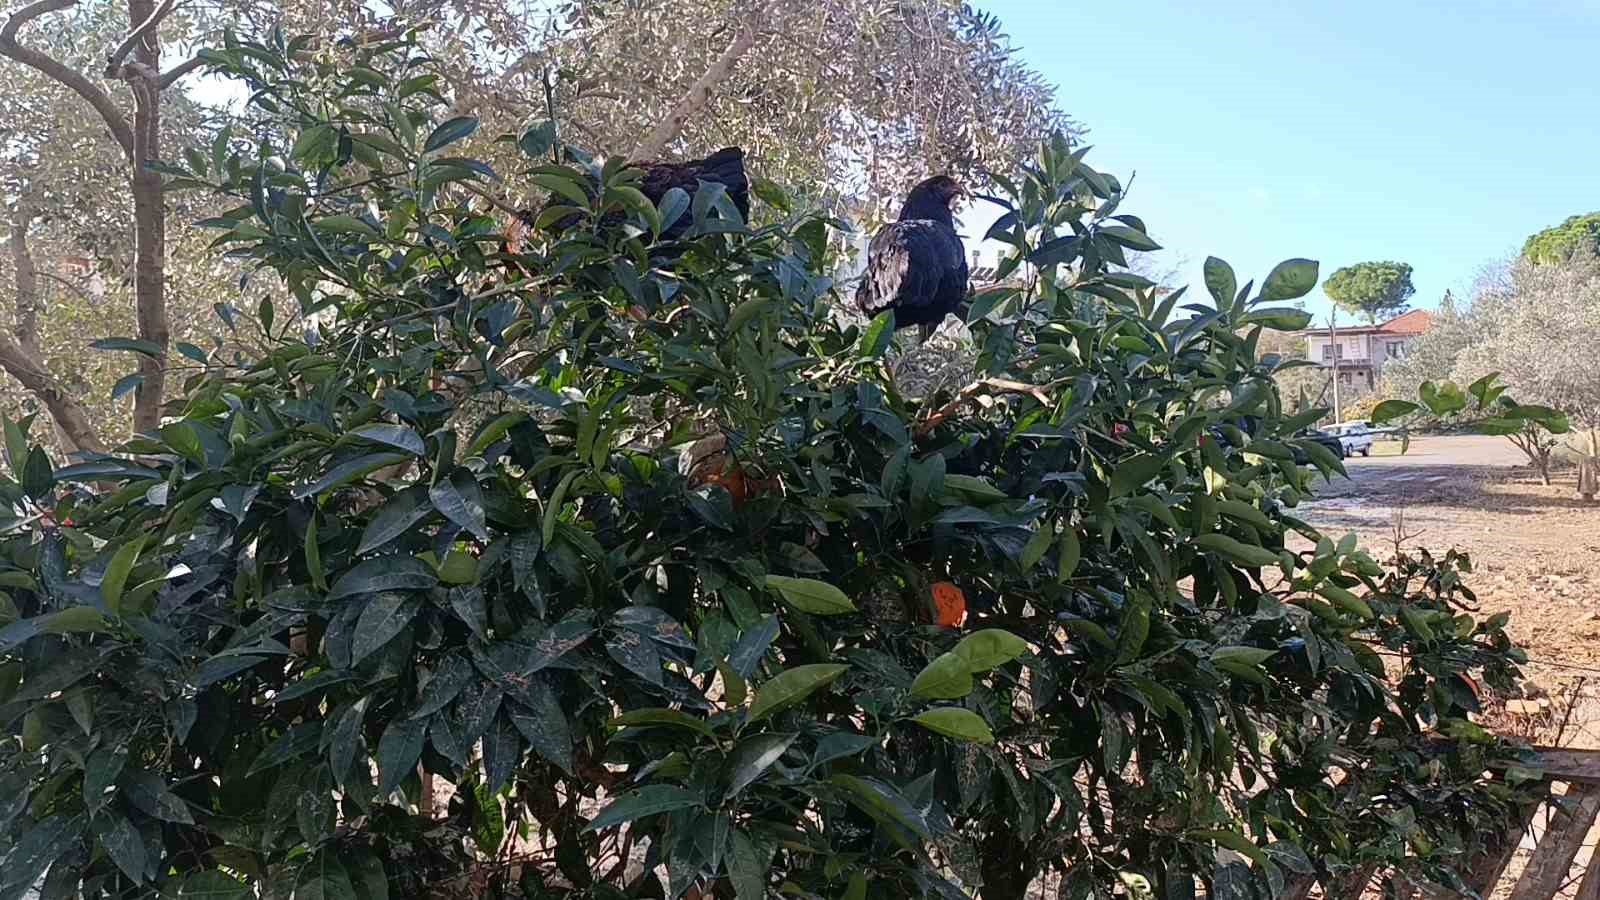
<point x="172" y="75"/>
<point x="22" y="358"/>
<point x="114" y="61"/>
<point x="82" y="86"/>
<point x="700" y="93"/>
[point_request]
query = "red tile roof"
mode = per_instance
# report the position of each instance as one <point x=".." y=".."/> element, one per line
<point x="1413" y="322"/>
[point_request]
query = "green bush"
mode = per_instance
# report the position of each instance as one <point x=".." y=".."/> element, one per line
<point x="231" y="645"/>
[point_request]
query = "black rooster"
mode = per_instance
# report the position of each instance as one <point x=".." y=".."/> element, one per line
<point x="918" y="266"/>
<point x="725" y="167"/>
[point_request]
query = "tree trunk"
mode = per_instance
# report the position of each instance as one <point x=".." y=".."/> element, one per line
<point x="699" y="94"/>
<point x="149" y="218"/>
<point x="23" y="359"/>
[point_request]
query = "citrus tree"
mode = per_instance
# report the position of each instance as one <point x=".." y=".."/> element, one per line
<point x="697" y="603"/>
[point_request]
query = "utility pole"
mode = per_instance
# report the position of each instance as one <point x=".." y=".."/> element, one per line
<point x="1333" y="342"/>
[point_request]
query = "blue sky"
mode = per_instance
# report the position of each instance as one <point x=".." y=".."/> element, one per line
<point x="1436" y="133"/>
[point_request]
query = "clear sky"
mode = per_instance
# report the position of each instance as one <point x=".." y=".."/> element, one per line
<point x="1436" y="132"/>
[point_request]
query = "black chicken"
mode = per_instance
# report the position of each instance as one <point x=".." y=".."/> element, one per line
<point x="917" y="266"/>
<point x="725" y="167"/>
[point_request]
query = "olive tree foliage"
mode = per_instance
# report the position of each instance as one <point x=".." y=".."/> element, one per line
<point x="854" y="100"/>
<point x="1536" y="325"/>
<point x="85" y="109"/>
<point x="1372" y="290"/>
<point x="220" y="670"/>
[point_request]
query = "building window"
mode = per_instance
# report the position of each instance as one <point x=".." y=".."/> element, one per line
<point x="1395" y="349"/>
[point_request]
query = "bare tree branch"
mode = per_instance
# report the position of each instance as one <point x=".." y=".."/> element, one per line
<point x="174" y="74"/>
<point x="114" y="61"/>
<point x="700" y="93"/>
<point x="82" y="86"/>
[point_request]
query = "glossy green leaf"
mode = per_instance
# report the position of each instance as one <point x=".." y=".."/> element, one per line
<point x="953" y="721"/>
<point x="449" y="132"/>
<point x="115" y="580"/>
<point x="754" y="756"/>
<point x="991" y="647"/>
<point x="790" y="687"/>
<point x="948" y="677"/>
<point x="646" y="801"/>
<point x="810" y="595"/>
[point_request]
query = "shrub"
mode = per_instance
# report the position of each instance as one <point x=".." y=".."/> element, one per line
<point x="225" y="663"/>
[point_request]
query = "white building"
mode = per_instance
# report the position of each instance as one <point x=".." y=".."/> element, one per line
<point x="1361" y="350"/>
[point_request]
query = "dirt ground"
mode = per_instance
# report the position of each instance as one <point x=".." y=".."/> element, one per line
<point x="1535" y="548"/>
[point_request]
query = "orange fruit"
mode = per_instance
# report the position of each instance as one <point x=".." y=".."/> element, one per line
<point x="949" y="603"/>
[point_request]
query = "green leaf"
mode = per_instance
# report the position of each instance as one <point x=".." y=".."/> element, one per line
<point x="444" y="685"/>
<point x="126" y="384"/>
<point x="1067" y="554"/>
<point x="148" y="348"/>
<point x="1132" y="238"/>
<point x="882" y="802"/>
<point x="646" y="801"/>
<point x="1278" y="318"/>
<point x="878" y="335"/>
<point x="38" y="476"/>
<point x="495" y="430"/>
<point x="953" y="721"/>
<point x="74" y="620"/>
<point x="1392" y="410"/>
<point x="395" y="518"/>
<point x="747" y="868"/>
<point x="192" y="352"/>
<point x="1250" y="656"/>
<point x="1442" y="399"/>
<point x="754" y="756"/>
<point x="397" y="436"/>
<point x="449" y="132"/>
<point x="100" y="774"/>
<point x="116" y="577"/>
<point x="346" y="225"/>
<point x="977" y="489"/>
<point x="1134" y="472"/>
<point x="384" y="573"/>
<point x="460" y="500"/>
<point x="538" y="138"/>
<point x="348" y="471"/>
<point x="948" y="677"/>
<point x="810" y="595"/>
<point x="123" y="844"/>
<point x="385" y="616"/>
<point x="1290" y="279"/>
<point x="1134" y="627"/>
<point x="1244" y="554"/>
<point x="790" y="687"/>
<point x="1038" y="542"/>
<point x="545" y="723"/>
<point x="671" y="718"/>
<point x="398" y="752"/>
<point x="1220" y="281"/>
<point x="991" y="647"/>
<point x="214" y="885"/>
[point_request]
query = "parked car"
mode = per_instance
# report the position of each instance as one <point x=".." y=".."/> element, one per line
<point x="1334" y="444"/>
<point x="1356" y="436"/>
